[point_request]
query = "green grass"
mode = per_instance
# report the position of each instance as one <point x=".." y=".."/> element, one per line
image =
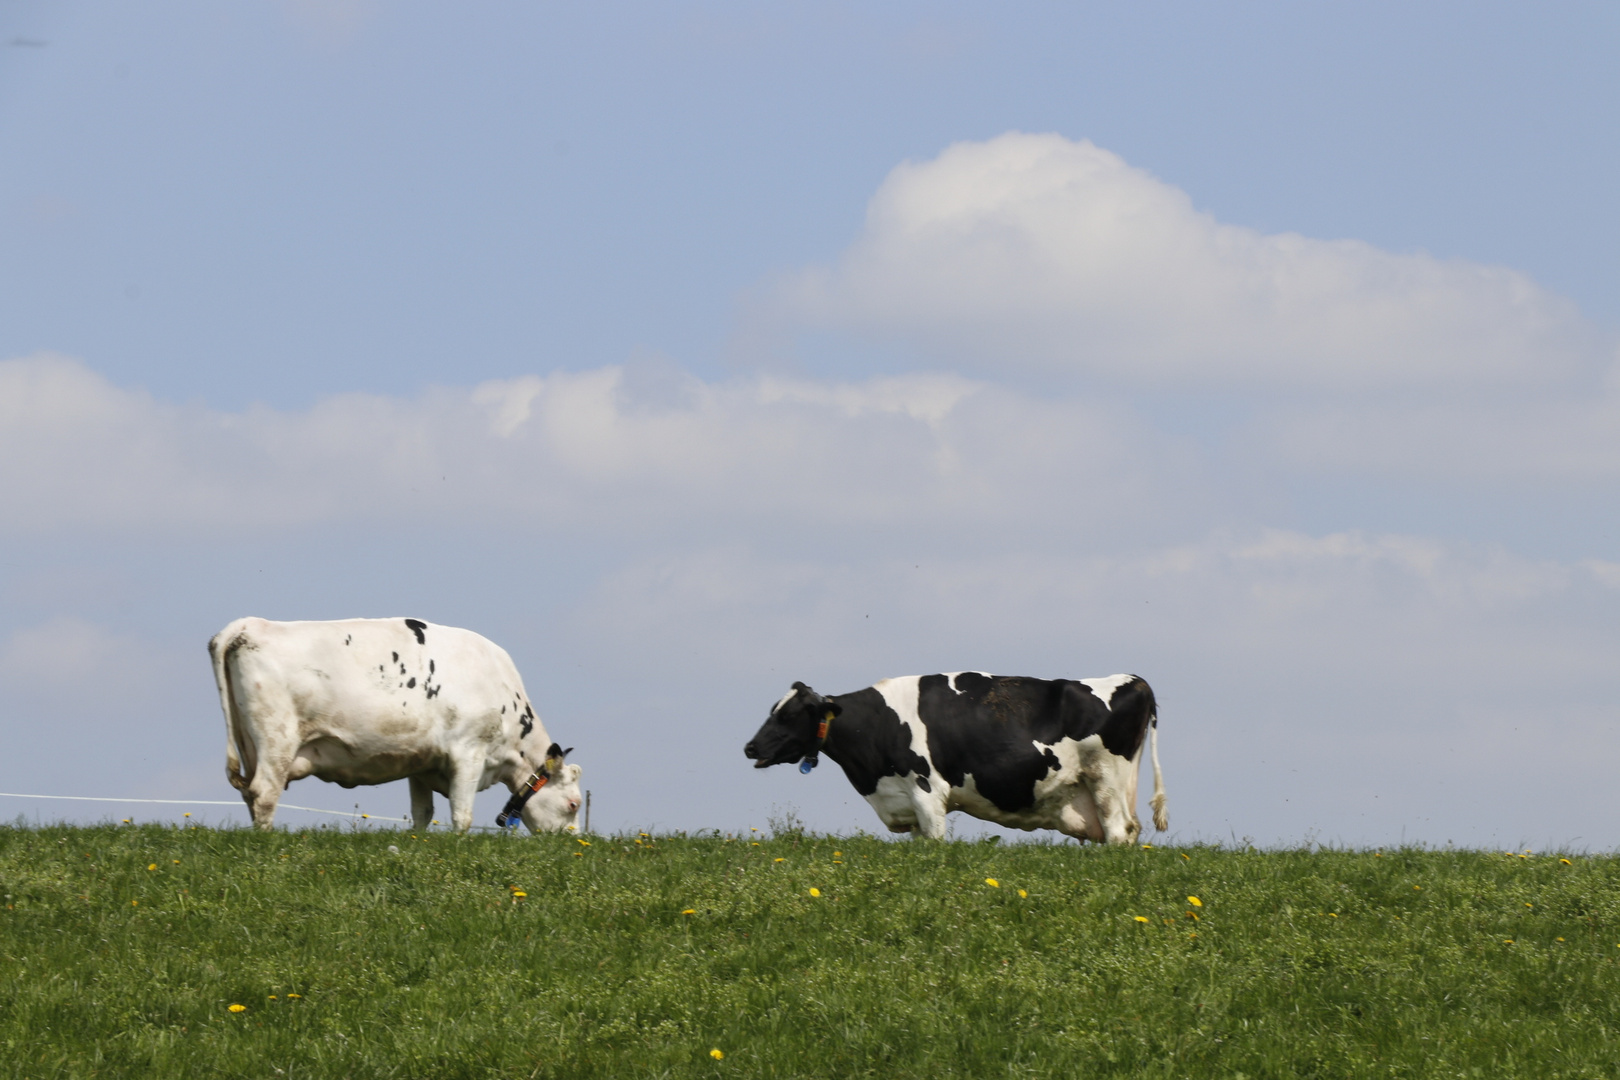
<point x="425" y="964"/>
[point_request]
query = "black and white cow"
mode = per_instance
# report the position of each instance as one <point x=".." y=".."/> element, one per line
<point x="367" y="701"/>
<point x="1025" y="753"/>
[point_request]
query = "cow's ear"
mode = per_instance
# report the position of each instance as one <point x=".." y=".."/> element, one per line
<point x="801" y="686"/>
<point x="555" y="750"/>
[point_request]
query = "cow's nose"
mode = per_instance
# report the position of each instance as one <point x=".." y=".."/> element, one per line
<point x="748" y="751"/>
<point x="573" y="805"/>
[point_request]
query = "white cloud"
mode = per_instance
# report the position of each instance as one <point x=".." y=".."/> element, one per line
<point x="1033" y="252"/>
<point x="599" y="449"/>
<point x="1551" y="436"/>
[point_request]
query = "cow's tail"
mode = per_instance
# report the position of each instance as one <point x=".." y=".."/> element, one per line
<point x="1161" y="813"/>
<point x="239" y="748"/>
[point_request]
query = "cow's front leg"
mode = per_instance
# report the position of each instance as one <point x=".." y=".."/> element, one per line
<point x="463" y="786"/>
<point x="421" y="803"/>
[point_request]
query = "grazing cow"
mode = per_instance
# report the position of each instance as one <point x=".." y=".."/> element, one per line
<point x="1026" y="753"/>
<point x="367" y="701"/>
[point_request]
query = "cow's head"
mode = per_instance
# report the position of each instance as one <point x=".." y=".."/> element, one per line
<point x="555" y="806"/>
<point x="793" y="730"/>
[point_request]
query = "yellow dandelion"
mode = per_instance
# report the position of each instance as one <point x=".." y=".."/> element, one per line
<point x="134" y="903"/>
<point x="992" y="882"/>
<point x="1140" y="918"/>
<point x="177" y="862"/>
<point x="1022" y="894"/>
<point x="1566" y="862"/>
<point x="1524" y="856"/>
<point x="1333" y="914"/>
<point x="582" y="840"/>
<point x="778" y="860"/>
<point x="238" y="1008"/>
<point x="716" y="1054"/>
<point x="126" y="821"/>
<point x="188" y="813"/>
<point x="1194" y="901"/>
<point x="689" y="911"/>
<point x="1184" y="855"/>
<point x="1147" y="847"/>
<point x="815" y="892"/>
<point x="272" y="997"/>
<point x="519" y="894"/>
<point x="1558" y="939"/>
<point x="752" y="829"/>
<point x="151" y="866"/>
<point x="1507" y="941"/>
<point x="1528" y="904"/>
<point x="754" y="844"/>
<point x="838" y="854"/>
<point x="366" y="816"/>
<point x="1418" y="888"/>
<point x="579" y="854"/>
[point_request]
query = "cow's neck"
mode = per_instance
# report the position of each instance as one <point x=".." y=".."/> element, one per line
<point x="854" y="740"/>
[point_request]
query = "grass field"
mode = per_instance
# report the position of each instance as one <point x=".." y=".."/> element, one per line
<point x="124" y="951"/>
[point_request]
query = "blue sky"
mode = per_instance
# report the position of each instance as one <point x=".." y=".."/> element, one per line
<point x="1268" y="351"/>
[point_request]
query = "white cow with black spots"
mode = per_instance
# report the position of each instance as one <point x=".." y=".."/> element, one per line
<point x="368" y="701"/>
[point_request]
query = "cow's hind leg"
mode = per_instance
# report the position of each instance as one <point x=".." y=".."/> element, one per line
<point x="263" y="793"/>
<point x="930" y="809"/>
<point x="1118" y="818"/>
<point x="421" y="804"/>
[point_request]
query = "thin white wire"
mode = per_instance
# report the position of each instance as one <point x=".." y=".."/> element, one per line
<point x="197" y="802"/>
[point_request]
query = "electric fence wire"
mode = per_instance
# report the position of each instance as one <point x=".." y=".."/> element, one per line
<point x="198" y="802"/>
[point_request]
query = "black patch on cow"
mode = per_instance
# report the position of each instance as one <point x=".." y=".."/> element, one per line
<point x="922" y="782"/>
<point x="411" y="685"/>
<point x="527" y="720"/>
<point x="347" y="638"/>
<point x="416" y="626"/>
<point x="503" y="710"/>
<point x="988" y="725"/>
<point x="1132" y="709"/>
<point x="430" y="667"/>
<point x="396" y="658"/>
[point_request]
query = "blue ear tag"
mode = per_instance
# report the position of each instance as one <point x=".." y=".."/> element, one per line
<point x="806" y="765"/>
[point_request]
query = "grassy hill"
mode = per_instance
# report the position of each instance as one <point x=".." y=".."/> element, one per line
<point x="124" y="950"/>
